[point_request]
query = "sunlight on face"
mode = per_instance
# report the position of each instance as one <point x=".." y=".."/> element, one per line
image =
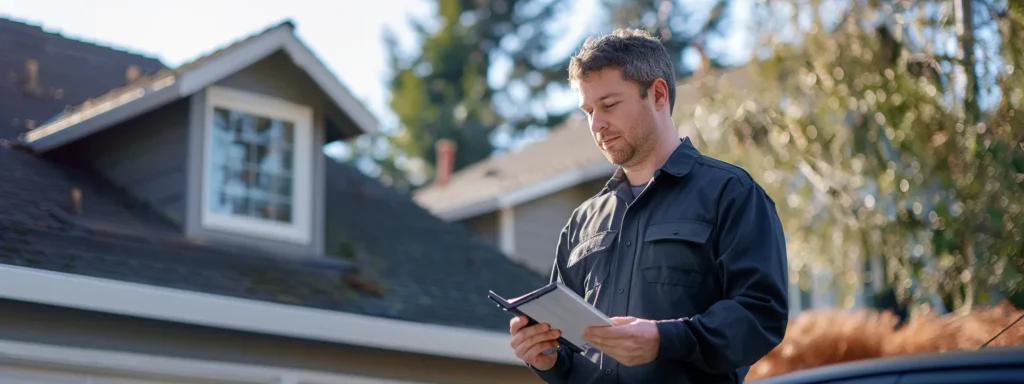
<point x="621" y="122"/>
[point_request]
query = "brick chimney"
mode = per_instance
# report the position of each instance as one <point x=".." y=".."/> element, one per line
<point x="445" y="149"/>
<point x="132" y="73"/>
<point x="32" y="73"/>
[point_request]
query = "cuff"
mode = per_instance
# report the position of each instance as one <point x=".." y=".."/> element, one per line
<point x="677" y="341"/>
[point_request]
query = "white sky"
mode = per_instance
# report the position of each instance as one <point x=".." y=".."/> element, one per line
<point x="345" y="34"/>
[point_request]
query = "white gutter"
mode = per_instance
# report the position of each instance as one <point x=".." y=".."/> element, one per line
<point x="146" y="301"/>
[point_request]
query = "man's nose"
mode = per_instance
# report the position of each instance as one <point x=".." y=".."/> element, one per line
<point x="597" y="123"/>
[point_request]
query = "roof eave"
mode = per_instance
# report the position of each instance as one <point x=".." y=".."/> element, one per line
<point x="147" y="97"/>
<point x="107" y="113"/>
<point x="225" y="312"/>
<point x="555" y="184"/>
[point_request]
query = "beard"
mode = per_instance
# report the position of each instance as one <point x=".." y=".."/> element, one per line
<point x="633" y="145"/>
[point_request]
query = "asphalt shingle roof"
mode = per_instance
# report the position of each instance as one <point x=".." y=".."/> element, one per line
<point x="69" y="73"/>
<point x="394" y="259"/>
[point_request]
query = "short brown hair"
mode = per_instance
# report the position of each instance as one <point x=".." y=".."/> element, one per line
<point x="641" y="58"/>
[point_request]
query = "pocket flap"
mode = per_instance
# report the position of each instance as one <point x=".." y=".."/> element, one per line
<point x="594" y="243"/>
<point x="685" y="230"/>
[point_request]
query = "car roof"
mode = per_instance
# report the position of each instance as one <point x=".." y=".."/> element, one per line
<point x="987" y="357"/>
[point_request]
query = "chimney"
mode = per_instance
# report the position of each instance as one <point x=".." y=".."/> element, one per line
<point x="445" y="149"/>
<point x="31" y="73"/>
<point x="132" y="73"/>
<point x="76" y="200"/>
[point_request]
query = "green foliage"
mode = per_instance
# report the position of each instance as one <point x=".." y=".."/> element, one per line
<point x="444" y="92"/>
<point x="866" y="129"/>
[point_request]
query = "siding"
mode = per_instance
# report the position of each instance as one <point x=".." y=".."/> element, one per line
<point x="146" y="156"/>
<point x="75" y="328"/>
<point x="485" y="227"/>
<point x="538" y="223"/>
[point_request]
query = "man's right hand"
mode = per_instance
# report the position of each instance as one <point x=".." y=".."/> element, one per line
<point x="531" y="342"/>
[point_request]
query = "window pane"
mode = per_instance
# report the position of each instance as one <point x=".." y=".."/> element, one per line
<point x="251" y="166"/>
<point x="267" y="209"/>
<point x="282" y="186"/>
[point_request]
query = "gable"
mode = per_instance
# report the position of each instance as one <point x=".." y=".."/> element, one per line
<point x="164" y="87"/>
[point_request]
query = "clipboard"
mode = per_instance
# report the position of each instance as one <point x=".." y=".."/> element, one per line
<point x="560" y="307"/>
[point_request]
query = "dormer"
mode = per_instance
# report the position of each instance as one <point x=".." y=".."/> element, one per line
<point x="227" y="147"/>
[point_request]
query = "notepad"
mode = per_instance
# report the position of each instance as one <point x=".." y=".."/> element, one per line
<point x="560" y="307"/>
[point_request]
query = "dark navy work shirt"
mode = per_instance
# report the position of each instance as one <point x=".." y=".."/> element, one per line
<point x="700" y="249"/>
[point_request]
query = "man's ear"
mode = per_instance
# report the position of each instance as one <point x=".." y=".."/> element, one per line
<point x="659" y="89"/>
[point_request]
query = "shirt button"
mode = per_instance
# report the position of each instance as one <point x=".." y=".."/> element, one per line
<point x="621" y="290"/>
<point x="628" y="243"/>
<point x="608" y="371"/>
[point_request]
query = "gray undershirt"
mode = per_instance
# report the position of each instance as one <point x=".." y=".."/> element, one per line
<point x="637" y="189"/>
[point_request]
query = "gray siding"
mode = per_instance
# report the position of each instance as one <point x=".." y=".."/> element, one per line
<point x="75" y="328"/>
<point x="146" y="156"/>
<point x="274" y="76"/>
<point x="537" y="224"/>
<point x="486" y="227"/>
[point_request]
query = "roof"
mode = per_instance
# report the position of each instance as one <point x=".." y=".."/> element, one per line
<point x="568" y="153"/>
<point x="419" y="268"/>
<point x="62" y="62"/>
<point x="567" y="157"/>
<point x="165" y="86"/>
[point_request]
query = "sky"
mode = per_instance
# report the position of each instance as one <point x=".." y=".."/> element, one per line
<point x="346" y="35"/>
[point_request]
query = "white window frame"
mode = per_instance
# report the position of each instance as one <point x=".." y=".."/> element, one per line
<point x="300" y="229"/>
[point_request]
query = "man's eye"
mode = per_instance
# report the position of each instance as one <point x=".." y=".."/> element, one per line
<point x="609" y="106"/>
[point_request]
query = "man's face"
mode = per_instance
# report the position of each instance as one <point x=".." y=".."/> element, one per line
<point x="621" y="122"/>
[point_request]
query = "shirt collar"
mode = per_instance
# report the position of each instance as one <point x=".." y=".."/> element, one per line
<point x="678" y="164"/>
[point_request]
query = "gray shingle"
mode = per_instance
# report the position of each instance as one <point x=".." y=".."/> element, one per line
<point x="406" y="263"/>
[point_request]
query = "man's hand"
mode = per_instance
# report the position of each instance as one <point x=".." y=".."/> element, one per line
<point x="631" y="341"/>
<point x="531" y="342"/>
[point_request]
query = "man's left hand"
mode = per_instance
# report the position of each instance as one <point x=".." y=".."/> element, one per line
<point x="631" y="341"/>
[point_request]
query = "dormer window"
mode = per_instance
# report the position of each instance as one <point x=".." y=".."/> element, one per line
<point x="257" y="166"/>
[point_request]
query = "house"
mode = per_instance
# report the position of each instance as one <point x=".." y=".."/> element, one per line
<point x="182" y="225"/>
<point x="520" y="201"/>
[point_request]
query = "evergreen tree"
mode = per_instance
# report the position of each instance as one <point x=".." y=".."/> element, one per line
<point x="444" y="91"/>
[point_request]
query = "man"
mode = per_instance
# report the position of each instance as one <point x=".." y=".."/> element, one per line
<point x="684" y="252"/>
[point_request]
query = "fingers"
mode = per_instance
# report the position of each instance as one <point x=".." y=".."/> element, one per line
<point x="528" y="342"/>
<point x="532" y="335"/>
<point x="609" y="332"/>
<point x="517" y="323"/>
<point x="532" y="352"/>
<point x="542" y="337"/>
<point x="623" y="320"/>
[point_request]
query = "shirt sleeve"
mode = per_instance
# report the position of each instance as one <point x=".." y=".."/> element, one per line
<point x="559" y="374"/>
<point x="752" y="318"/>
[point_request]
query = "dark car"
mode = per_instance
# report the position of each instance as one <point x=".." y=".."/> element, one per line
<point x="993" y="365"/>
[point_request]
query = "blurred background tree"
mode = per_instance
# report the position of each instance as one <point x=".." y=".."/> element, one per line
<point x="891" y="131"/>
<point x="490" y="75"/>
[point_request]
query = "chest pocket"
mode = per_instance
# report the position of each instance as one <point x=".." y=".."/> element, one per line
<point x="591" y="260"/>
<point x="677" y="253"/>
